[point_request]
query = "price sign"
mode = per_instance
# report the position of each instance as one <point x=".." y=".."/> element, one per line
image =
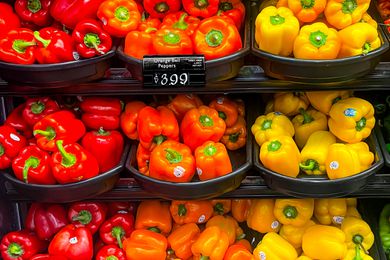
<point x="174" y="71"/>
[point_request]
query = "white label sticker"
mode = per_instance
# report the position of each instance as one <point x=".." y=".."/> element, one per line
<point x="334" y="165"/>
<point x="199" y="171"/>
<point x="338" y="219"/>
<point x="14" y="137"/>
<point x="76" y="55"/>
<point x="73" y="240"/>
<point x="220" y="100"/>
<point x="275" y="224"/>
<point x="104" y="21"/>
<point x="262" y="255"/>
<point x="179" y="171"/>
<point x="201" y="219"/>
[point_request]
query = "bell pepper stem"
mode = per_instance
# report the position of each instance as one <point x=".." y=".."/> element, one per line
<point x="102" y="132"/>
<point x="357" y="253"/>
<point x="366" y="48"/>
<point x="92" y="40"/>
<point x="68" y="159"/>
<point x="37" y="108"/>
<point x="2" y="151"/>
<point x="308" y="165"/>
<point x="15" y="250"/>
<point x="306" y="4"/>
<point x="34" y="6"/>
<point x="266" y="124"/>
<point x="361" y="124"/>
<point x="20" y="45"/>
<point x="222" y="115"/>
<point x="225" y="6"/>
<point x="172" y="38"/>
<point x="118" y="233"/>
<point x="348" y="6"/>
<point x="203" y="257"/>
<point x="181" y="24"/>
<point x="306" y="117"/>
<point x="38" y="37"/>
<point x="49" y="133"/>
<point x="159" y="139"/>
<point x="201" y="4"/>
<point x="173" y="156"/>
<point x="276" y="19"/>
<point x="122" y="14"/>
<point x="84" y="217"/>
<point x="155" y="229"/>
<point x="234" y="137"/>
<point x="111" y="257"/>
<point x="318" y="39"/>
<point x="274" y="146"/>
<point x="210" y="150"/>
<point x="31" y="162"/>
<point x="206" y="121"/>
<point x="240" y="237"/>
<point x="181" y="210"/>
<point x="290" y="212"/>
<point x="214" y="38"/>
<point x="358" y="241"/>
<point x="218" y="208"/>
<point x="161" y="7"/>
<point x="150" y="29"/>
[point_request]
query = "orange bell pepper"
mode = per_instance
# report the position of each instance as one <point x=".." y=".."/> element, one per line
<point x="181" y="21"/>
<point x="182" y="103"/>
<point x="212" y="160"/>
<point x="227" y="224"/>
<point x="227" y="110"/>
<point x="144" y="46"/>
<point x="191" y="211"/>
<point x="261" y="216"/>
<point x="172" y="42"/>
<point x="342" y="13"/>
<point x="154" y="215"/>
<point x="143" y="159"/>
<point x="245" y="243"/>
<point x="129" y="118"/>
<point x="240" y="209"/>
<point x="221" y="207"/>
<point x="146" y="245"/>
<point x="172" y="161"/>
<point x="307" y="10"/>
<point x="182" y="238"/>
<point x="235" y="136"/>
<point x="147" y="23"/>
<point x="216" y="37"/>
<point x="119" y="16"/>
<point x="200" y="125"/>
<point x="238" y="252"/>
<point x="211" y="244"/>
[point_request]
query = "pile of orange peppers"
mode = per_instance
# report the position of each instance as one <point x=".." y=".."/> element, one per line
<point x="184" y="136"/>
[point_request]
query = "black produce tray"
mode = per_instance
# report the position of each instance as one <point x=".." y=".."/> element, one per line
<point x="382" y="145"/>
<point x="318" y="71"/>
<point x="319" y="186"/>
<point x="58" y="74"/>
<point x="58" y="193"/>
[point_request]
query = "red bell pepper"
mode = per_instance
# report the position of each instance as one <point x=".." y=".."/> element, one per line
<point x="11" y="143"/>
<point x="73" y="163"/>
<point x="387" y="23"/>
<point x="70" y="12"/>
<point x="90" y="39"/>
<point x="123" y="207"/>
<point x="106" y="146"/>
<point x="73" y="243"/>
<point x="116" y="229"/>
<point x="61" y="125"/>
<point x="54" y="46"/>
<point x="46" y="219"/>
<point x="32" y="165"/>
<point x="20" y="245"/>
<point x="37" y="108"/>
<point x="87" y="214"/>
<point x="201" y="8"/>
<point x="233" y="9"/>
<point x="143" y="159"/>
<point x="129" y="119"/>
<point x="149" y="22"/>
<point x="34" y="11"/>
<point x="110" y="252"/>
<point x="48" y="257"/>
<point x="160" y="8"/>
<point x="8" y="19"/>
<point x="181" y="21"/>
<point x="16" y="120"/>
<point x="18" y="46"/>
<point x="101" y="112"/>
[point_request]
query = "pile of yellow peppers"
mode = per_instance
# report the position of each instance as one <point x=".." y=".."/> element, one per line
<point x="315" y="133"/>
<point x="317" y="29"/>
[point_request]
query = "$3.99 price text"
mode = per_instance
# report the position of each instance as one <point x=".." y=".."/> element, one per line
<point x="171" y="79"/>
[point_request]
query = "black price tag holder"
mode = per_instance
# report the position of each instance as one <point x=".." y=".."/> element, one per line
<point x="174" y="71"/>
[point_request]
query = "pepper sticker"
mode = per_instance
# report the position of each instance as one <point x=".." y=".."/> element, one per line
<point x="14" y="137"/>
<point x="199" y="171"/>
<point x="73" y="240"/>
<point x="179" y="171"/>
<point x="262" y="255"/>
<point x="334" y="165"/>
<point x="338" y="219"/>
<point x="220" y="100"/>
<point x="201" y="219"/>
<point x="275" y="224"/>
<point x="350" y="112"/>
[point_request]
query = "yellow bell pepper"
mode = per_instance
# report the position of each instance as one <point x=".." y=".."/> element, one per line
<point x="296" y="212"/>
<point x="357" y="232"/>
<point x="294" y="234"/>
<point x="271" y="125"/>
<point x="342" y="13"/>
<point x="353" y="212"/>
<point x="274" y="247"/>
<point x="290" y="103"/>
<point x="357" y="39"/>
<point x="275" y="30"/>
<point x="261" y="216"/>
<point x="351" y="202"/>
<point x="323" y="100"/>
<point x="356" y="254"/>
<point x="317" y="42"/>
<point x="227" y="224"/>
<point x="345" y="160"/>
<point x="314" y="153"/>
<point x="328" y="211"/>
<point x="306" y="123"/>
<point x="352" y="119"/>
<point x="307" y="10"/>
<point x="281" y="155"/>
<point x="303" y="257"/>
<point x="324" y="242"/>
<point x="366" y="18"/>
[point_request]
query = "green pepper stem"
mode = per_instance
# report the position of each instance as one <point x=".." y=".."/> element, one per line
<point x="366" y="48"/>
<point x="102" y="132"/>
<point x="222" y="115"/>
<point x="274" y="146"/>
<point x="234" y="137"/>
<point x="361" y="124"/>
<point x="171" y="38"/>
<point x="68" y="159"/>
<point x="118" y="233"/>
<point x="122" y="13"/>
<point x="2" y="151"/>
<point x="210" y="150"/>
<point x="349" y="6"/>
<point x="240" y="237"/>
<point x="155" y="229"/>
<point x="181" y="23"/>
<point x="15" y="250"/>
<point x="225" y="6"/>
<point x="161" y="7"/>
<point x="49" y="133"/>
<point x="173" y="156"/>
<point x="290" y="212"/>
<point x="276" y="19"/>
<point x="309" y="165"/>
<point x="357" y="253"/>
<point x="306" y="4"/>
<point x="203" y="257"/>
<point x="218" y="208"/>
<point x="266" y="124"/>
<point x="31" y="162"/>
<point x="206" y="121"/>
<point x="20" y="45"/>
<point x="34" y="6"/>
<point x="38" y="37"/>
<point x="111" y="257"/>
<point x="84" y="217"/>
<point x="306" y="117"/>
<point x="92" y="40"/>
<point x="318" y="39"/>
<point x="181" y="210"/>
<point x="201" y="4"/>
<point x="150" y="29"/>
<point x="214" y="38"/>
<point x="159" y="139"/>
<point x="37" y="107"/>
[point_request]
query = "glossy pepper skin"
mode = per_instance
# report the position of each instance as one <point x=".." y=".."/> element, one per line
<point x="111" y="142"/>
<point x="172" y="42"/>
<point x="121" y="207"/>
<point x="271" y="125"/>
<point x="8" y="19"/>
<point x="32" y="165"/>
<point x="291" y="103"/>
<point x="341" y="13"/>
<point x="317" y="42"/>
<point x="274" y="153"/>
<point x="18" y="46"/>
<point x="182" y="238"/>
<point x="37" y="108"/>
<point x="227" y="224"/>
<point x="143" y="159"/>
<point x="90" y="39"/>
<point x="201" y="8"/>
<point x="200" y="125"/>
<point x="34" y="11"/>
<point x="216" y="37"/>
<point x="87" y="214"/>
<point x="11" y="143"/>
<point x="161" y="8"/>
<point x="182" y="103"/>
<point x="323" y="100"/>
<point x="172" y="161"/>
<point x="273" y="246"/>
<point x="109" y="252"/>
<point x="145" y="244"/>
<point x="358" y="39"/>
<point x="235" y="136"/>
<point x="221" y="206"/>
<point x="307" y="11"/>
<point x="324" y="242"/>
<point x="366" y="18"/>
<point x="15" y="119"/>
<point x="101" y="112"/>
<point x="48" y="257"/>
<point x="328" y="211"/>
<point x="73" y="243"/>
<point x="294" y="234"/>
<point x="276" y="30"/>
<point x="227" y="110"/>
<point x="181" y="21"/>
<point x="72" y="163"/>
<point x="60" y="125"/>
<point x="240" y="209"/>
<point x="145" y="46"/>
<point x="238" y="252"/>
<point x="296" y="212"/>
<point x="149" y="22"/>
<point x="261" y="216"/>
<point x="234" y="9"/>
<point x="358" y="233"/>
<point x="384" y="228"/>
<point x="212" y="243"/>
<point x="357" y="253"/>
<point x="20" y="245"/>
<point x="119" y="16"/>
<point x="115" y="229"/>
<point x="129" y="118"/>
<point x="315" y="152"/>
<point x="154" y="215"/>
<point x="192" y="211"/>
